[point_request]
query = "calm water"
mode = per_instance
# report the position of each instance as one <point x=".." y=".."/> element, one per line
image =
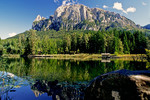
<point x="48" y="79"/>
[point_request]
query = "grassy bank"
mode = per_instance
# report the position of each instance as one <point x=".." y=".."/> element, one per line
<point x="134" y="57"/>
<point x="10" y="56"/>
<point x="83" y="56"/>
<point x="131" y="57"/>
<point x="70" y="56"/>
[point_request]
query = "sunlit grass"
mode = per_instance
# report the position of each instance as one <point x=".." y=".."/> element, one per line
<point x="84" y="56"/>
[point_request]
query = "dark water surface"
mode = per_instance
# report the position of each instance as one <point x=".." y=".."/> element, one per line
<point x="48" y="79"/>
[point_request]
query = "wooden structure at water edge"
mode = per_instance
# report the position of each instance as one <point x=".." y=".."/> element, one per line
<point x="105" y="55"/>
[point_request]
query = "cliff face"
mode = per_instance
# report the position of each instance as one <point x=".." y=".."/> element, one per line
<point x="81" y="17"/>
<point x="41" y="23"/>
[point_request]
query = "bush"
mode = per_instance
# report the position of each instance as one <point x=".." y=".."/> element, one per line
<point x="116" y="53"/>
<point x="148" y="54"/>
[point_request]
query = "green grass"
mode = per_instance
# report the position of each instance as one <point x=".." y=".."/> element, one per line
<point x="11" y="56"/>
<point x="83" y="56"/>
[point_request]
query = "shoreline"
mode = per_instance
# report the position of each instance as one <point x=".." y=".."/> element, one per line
<point x="82" y="56"/>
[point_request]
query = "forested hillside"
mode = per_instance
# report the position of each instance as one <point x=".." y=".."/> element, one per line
<point x="76" y="41"/>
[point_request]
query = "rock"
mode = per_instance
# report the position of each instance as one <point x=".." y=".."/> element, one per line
<point x="78" y="16"/>
<point x="120" y="85"/>
<point x="39" y="18"/>
<point x="41" y="23"/>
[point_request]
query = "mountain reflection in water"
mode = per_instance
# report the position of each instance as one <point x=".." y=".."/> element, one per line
<point x="47" y="79"/>
<point x="41" y="89"/>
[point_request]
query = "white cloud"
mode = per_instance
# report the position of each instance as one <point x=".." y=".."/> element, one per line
<point x="119" y="6"/>
<point x="67" y="2"/>
<point x="56" y="1"/>
<point x="104" y="6"/>
<point x="131" y="9"/>
<point x="12" y="34"/>
<point x="144" y="4"/>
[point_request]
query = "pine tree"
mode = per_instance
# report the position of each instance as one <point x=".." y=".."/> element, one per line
<point x="33" y="40"/>
<point x="27" y="48"/>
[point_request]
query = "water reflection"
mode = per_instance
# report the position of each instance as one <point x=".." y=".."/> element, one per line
<point x="60" y="91"/>
<point x="54" y="79"/>
<point x="17" y="88"/>
<point x="9" y="83"/>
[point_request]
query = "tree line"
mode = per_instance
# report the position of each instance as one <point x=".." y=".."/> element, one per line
<point x="77" y="41"/>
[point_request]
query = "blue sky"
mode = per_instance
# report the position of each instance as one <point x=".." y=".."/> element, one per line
<point x="16" y="16"/>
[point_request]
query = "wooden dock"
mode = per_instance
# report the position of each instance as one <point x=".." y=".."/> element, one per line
<point x="106" y="55"/>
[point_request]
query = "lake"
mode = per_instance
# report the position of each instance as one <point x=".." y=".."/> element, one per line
<point x="52" y="79"/>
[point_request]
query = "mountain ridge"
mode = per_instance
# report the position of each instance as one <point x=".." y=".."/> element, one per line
<point x="78" y="16"/>
<point x="147" y="26"/>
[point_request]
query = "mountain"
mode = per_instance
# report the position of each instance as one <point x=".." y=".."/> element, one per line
<point x="78" y="16"/>
<point x="39" y="18"/>
<point x="147" y="26"/>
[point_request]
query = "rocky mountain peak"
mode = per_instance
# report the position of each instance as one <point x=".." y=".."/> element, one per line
<point x="79" y="16"/>
<point x="39" y="18"/>
<point x="73" y="12"/>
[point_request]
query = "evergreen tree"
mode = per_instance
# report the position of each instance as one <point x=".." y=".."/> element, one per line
<point x="74" y="42"/>
<point x="1" y="48"/>
<point x="126" y="47"/>
<point x="86" y="43"/>
<point x="33" y="40"/>
<point x="27" y="48"/>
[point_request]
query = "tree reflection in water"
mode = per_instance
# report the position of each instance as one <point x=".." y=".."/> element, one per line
<point x="60" y="79"/>
<point x="9" y="83"/>
<point x="60" y="91"/>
